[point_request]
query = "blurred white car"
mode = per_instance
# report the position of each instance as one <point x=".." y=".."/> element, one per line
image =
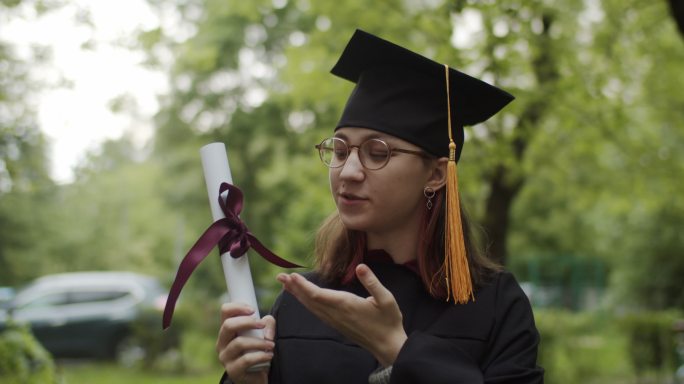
<point x="89" y="314"/>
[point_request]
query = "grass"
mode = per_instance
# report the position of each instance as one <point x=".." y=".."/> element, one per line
<point x="110" y="373"/>
<point x="198" y="359"/>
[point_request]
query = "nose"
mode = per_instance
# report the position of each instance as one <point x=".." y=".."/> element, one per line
<point x="352" y="168"/>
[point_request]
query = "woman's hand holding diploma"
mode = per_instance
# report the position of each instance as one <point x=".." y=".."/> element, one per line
<point x="237" y="351"/>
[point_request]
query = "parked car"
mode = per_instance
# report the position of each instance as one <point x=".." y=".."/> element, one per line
<point x="6" y="295"/>
<point x="90" y="314"/>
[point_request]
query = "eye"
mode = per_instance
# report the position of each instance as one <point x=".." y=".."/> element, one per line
<point x="376" y="150"/>
<point x="339" y="149"/>
<point x="340" y="153"/>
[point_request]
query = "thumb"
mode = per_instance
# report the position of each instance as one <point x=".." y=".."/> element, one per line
<point x="269" y="330"/>
<point x="381" y="294"/>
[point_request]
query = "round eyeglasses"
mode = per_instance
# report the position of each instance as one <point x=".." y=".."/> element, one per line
<point x="373" y="153"/>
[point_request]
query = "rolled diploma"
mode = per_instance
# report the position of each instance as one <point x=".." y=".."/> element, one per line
<point x="236" y="271"/>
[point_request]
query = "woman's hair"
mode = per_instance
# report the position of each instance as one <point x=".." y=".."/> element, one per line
<point x="338" y="251"/>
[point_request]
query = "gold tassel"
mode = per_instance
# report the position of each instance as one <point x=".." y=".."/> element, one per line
<point x="457" y="272"/>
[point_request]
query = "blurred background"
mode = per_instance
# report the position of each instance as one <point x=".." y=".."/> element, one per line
<point x="576" y="185"/>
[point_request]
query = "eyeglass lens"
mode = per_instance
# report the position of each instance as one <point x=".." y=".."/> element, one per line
<point x="373" y="153"/>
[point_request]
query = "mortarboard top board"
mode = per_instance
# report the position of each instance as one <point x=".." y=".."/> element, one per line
<point x="402" y="93"/>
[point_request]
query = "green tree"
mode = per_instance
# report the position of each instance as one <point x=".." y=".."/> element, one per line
<point x="118" y="218"/>
<point x="591" y="139"/>
<point x="24" y="170"/>
<point x="606" y="166"/>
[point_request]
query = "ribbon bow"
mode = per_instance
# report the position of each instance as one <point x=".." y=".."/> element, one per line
<point x="231" y="235"/>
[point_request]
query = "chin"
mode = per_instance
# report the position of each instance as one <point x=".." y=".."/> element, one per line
<point x="354" y="224"/>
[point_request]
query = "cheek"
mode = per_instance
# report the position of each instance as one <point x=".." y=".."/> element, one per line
<point x="333" y="178"/>
<point x="334" y="182"/>
<point x="402" y="193"/>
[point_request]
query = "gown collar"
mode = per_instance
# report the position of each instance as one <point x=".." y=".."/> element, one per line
<point x="381" y="256"/>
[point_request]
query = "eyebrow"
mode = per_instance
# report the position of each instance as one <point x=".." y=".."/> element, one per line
<point x="368" y="136"/>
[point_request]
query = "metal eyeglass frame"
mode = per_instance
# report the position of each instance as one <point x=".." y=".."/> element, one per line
<point x="391" y="151"/>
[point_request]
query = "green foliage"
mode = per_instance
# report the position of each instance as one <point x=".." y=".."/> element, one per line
<point x="603" y="163"/>
<point x="590" y="151"/>
<point x="22" y="358"/>
<point x="24" y="180"/>
<point x="651" y="341"/>
<point x="251" y="76"/>
<point x="158" y="344"/>
<point x="580" y="347"/>
<point x="116" y="220"/>
<point x="653" y="278"/>
<point x="599" y="347"/>
<point x="23" y="157"/>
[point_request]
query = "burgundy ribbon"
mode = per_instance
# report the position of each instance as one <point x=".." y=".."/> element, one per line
<point x="231" y="235"/>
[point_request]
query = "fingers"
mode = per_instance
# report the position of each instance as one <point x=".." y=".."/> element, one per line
<point x="313" y="296"/>
<point x="378" y="291"/>
<point x="231" y="327"/>
<point x="250" y="359"/>
<point x="237" y="367"/>
<point x="243" y="345"/>
<point x="235" y="309"/>
<point x="292" y="284"/>
<point x="306" y="291"/>
<point x="238" y="353"/>
<point x="243" y="352"/>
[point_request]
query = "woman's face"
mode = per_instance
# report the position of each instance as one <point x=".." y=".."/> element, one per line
<point x="383" y="200"/>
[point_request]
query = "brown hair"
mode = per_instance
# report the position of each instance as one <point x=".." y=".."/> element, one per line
<point x="338" y="251"/>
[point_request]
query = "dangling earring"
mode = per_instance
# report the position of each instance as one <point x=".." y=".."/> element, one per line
<point x="429" y="193"/>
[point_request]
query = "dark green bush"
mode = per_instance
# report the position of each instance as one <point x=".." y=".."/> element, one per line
<point x="651" y="341"/>
<point x="147" y="332"/>
<point x="23" y="359"/>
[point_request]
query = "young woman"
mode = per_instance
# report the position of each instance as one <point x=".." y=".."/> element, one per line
<point x="399" y="293"/>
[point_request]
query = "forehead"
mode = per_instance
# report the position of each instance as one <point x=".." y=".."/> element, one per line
<point x="356" y="135"/>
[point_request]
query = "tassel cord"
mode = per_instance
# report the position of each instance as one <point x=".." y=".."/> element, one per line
<point x="456" y="268"/>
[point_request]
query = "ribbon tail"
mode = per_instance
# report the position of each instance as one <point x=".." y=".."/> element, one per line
<point x="268" y="255"/>
<point x="195" y="255"/>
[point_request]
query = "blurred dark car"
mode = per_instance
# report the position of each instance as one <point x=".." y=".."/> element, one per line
<point x="90" y="314"/>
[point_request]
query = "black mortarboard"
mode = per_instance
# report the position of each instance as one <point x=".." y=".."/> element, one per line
<point x="402" y="93"/>
<point x="409" y="96"/>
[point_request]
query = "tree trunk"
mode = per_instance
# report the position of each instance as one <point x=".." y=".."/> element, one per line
<point x="677" y="10"/>
<point x="499" y="203"/>
<point x="503" y="187"/>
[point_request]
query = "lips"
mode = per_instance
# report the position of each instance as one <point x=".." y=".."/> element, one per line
<point x="350" y="198"/>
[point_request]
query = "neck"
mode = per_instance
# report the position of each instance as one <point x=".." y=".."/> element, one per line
<point x="401" y="243"/>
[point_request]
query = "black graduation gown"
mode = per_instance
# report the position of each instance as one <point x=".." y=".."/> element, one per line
<point x="490" y="340"/>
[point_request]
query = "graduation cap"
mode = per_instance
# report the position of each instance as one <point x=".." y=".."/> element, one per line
<point x="407" y="95"/>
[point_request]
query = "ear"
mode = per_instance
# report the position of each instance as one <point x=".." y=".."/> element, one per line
<point x="437" y="174"/>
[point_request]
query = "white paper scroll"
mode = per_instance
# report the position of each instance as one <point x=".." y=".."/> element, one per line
<point x="236" y="271"/>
